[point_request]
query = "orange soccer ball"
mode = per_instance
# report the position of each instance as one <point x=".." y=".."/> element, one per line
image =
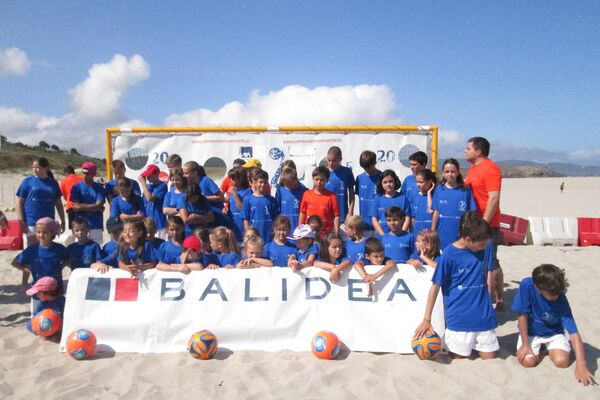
<point x="325" y="345"/>
<point x="81" y="344"/>
<point x="203" y="345"/>
<point x="47" y="322"/>
<point x="428" y="346"/>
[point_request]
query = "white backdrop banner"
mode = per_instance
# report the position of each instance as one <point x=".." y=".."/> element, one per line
<point x="268" y="309"/>
<point x="216" y="151"/>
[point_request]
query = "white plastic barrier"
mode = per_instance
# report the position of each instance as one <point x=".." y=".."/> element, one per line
<point x="553" y="231"/>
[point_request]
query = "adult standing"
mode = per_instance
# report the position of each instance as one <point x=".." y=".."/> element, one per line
<point x="70" y="180"/>
<point x="485" y="180"/>
<point x="38" y="196"/>
<point x="88" y="201"/>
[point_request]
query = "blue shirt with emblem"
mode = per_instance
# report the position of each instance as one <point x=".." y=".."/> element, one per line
<point x="340" y="181"/>
<point x="451" y="204"/>
<point x="366" y="190"/>
<point x="84" y="255"/>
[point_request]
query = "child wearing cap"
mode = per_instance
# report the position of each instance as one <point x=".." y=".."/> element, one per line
<point x="153" y="196"/>
<point x="87" y="198"/>
<point x="189" y="260"/>
<point x="44" y="258"/>
<point x="46" y="290"/>
<point x="306" y="249"/>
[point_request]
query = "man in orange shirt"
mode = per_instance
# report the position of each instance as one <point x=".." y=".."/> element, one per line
<point x="320" y="201"/>
<point x="485" y="180"/>
<point x="66" y="184"/>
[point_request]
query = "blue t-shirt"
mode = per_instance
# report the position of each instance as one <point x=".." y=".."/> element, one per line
<point x="208" y="187"/>
<point x="302" y="255"/>
<point x="366" y="261"/>
<point x="45" y="261"/>
<point x="57" y="305"/>
<point x="169" y="253"/>
<point x="260" y="211"/>
<point x="129" y="206"/>
<point x="289" y="202"/>
<point x="110" y="188"/>
<point x="416" y="256"/>
<point x="451" y="204"/>
<point x="462" y="276"/>
<point x="355" y="250"/>
<point x="381" y="203"/>
<point x="340" y="180"/>
<point x="421" y="213"/>
<point x="237" y="225"/>
<point x="82" y="256"/>
<point x="110" y="254"/>
<point x="226" y="259"/>
<point x="83" y="193"/>
<point x="210" y="258"/>
<point x="200" y="207"/>
<point x="409" y="188"/>
<point x="366" y="189"/>
<point x="132" y="257"/>
<point x="155" y="242"/>
<point x="338" y="261"/>
<point x="398" y="247"/>
<point x="544" y="317"/>
<point x="39" y="198"/>
<point x="172" y="198"/>
<point x="154" y="208"/>
<point x="279" y="253"/>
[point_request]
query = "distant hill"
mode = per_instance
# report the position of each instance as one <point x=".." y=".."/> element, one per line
<point x="18" y="157"/>
<point x="530" y="169"/>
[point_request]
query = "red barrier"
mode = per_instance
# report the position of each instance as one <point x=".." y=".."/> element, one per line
<point x="589" y="231"/>
<point x="513" y="230"/>
<point x="11" y="237"/>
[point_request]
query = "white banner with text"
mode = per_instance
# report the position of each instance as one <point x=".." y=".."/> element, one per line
<point x="268" y="309"/>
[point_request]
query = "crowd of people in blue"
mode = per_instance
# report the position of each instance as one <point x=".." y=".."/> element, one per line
<point x="192" y="224"/>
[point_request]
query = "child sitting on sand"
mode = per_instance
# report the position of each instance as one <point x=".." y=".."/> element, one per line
<point x="544" y="315"/>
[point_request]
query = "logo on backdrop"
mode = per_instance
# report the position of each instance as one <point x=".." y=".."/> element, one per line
<point x="246" y="151"/>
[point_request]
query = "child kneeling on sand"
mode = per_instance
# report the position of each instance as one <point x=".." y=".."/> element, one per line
<point x="544" y="315"/>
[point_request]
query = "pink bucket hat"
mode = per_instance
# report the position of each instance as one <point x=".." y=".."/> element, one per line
<point x="44" y="284"/>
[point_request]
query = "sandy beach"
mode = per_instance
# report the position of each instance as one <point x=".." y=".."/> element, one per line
<point x="33" y="368"/>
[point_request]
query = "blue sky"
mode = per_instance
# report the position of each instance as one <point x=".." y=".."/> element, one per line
<point x="523" y="74"/>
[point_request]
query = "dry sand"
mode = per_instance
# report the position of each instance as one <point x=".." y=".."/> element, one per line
<point x="33" y="368"/>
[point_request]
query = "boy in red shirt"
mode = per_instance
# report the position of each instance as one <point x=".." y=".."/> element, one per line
<point x="320" y="201"/>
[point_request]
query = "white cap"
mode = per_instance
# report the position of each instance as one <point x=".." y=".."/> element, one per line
<point x="302" y="231"/>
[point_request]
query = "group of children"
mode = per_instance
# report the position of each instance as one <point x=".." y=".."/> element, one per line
<point x="423" y="223"/>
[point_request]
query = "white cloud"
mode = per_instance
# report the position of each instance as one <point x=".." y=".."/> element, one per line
<point x="451" y="137"/>
<point x="13" y="61"/>
<point x="98" y="96"/>
<point x="298" y="105"/>
<point x="96" y="105"/>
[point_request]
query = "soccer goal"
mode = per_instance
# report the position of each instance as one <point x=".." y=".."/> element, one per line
<point x="216" y="147"/>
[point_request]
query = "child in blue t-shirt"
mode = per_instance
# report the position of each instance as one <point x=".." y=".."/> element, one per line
<point x="127" y="206"/>
<point x="331" y="256"/>
<point x="254" y="257"/>
<point x="306" y="249"/>
<point x="151" y="237"/>
<point x="194" y="210"/>
<point x="84" y="252"/>
<point x="398" y="244"/>
<point x="153" y="195"/>
<point x="544" y="316"/>
<point x="450" y="201"/>
<point x="366" y="186"/>
<point x="260" y="208"/>
<point x="190" y="253"/>
<point x="354" y="228"/>
<point x="47" y="291"/>
<point x="340" y="182"/>
<point x="170" y="251"/>
<point x="110" y="250"/>
<point x="239" y="189"/>
<point x="224" y="244"/>
<point x="44" y="258"/>
<point x="427" y="250"/>
<point x="289" y="194"/>
<point x="280" y="249"/>
<point x="422" y="213"/>
<point x="135" y="253"/>
<point x="463" y="275"/>
<point x="374" y="255"/>
<point x="387" y="196"/>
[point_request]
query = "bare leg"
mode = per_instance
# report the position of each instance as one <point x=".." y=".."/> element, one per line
<point x="487" y="355"/>
<point x="560" y="358"/>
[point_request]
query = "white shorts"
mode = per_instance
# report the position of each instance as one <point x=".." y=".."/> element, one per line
<point x="556" y="342"/>
<point x="463" y="343"/>
<point x="96" y="235"/>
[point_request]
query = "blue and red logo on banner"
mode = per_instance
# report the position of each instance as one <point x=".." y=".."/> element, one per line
<point x="99" y="289"/>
